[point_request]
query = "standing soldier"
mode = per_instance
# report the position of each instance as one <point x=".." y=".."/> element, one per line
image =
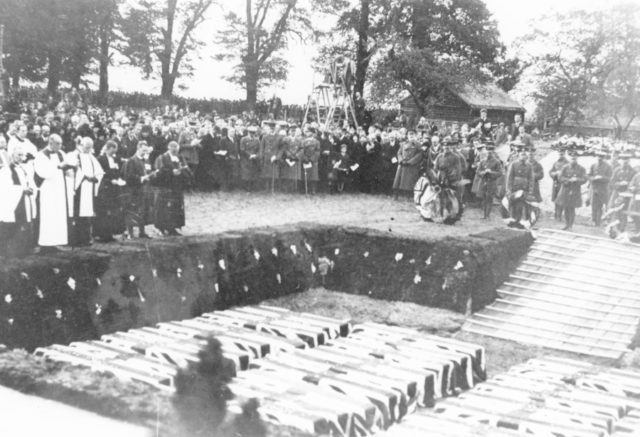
<point x="600" y="175"/>
<point x="554" y="173"/>
<point x="249" y="165"/>
<point x="519" y="185"/>
<point x="572" y="176"/>
<point x="409" y="159"/>
<point x="622" y="176"/>
<point x="270" y="154"/>
<point x="308" y="156"/>
<point x="291" y="169"/>
<point x="538" y="174"/>
<point x="488" y="171"/>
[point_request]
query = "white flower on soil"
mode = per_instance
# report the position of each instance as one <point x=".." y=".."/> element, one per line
<point x="366" y="254"/>
<point x="59" y="314"/>
<point x="132" y="278"/>
<point x="428" y="261"/>
<point x="399" y="257"/>
<point x="71" y="283"/>
<point x="294" y="249"/>
<point x="417" y="279"/>
<point x="279" y="278"/>
<point x="256" y="255"/>
<point x="39" y="293"/>
<point x="274" y="251"/>
<point x="216" y="287"/>
<point x="222" y="264"/>
<point x="337" y="251"/>
<point x="458" y="265"/>
<point x="8" y="298"/>
<point x="98" y="309"/>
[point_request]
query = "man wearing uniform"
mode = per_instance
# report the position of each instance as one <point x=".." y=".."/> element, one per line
<point x="488" y="171"/>
<point x="554" y="173"/>
<point x="519" y="185"/>
<point x="600" y="175"/>
<point x="622" y="176"/>
<point x="308" y="156"/>
<point x="270" y="156"/>
<point x="249" y="164"/>
<point x="571" y="177"/>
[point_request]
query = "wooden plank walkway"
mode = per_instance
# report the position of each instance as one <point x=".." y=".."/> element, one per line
<point x="573" y="292"/>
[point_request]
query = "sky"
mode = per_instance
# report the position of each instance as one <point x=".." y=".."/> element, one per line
<point x="513" y="18"/>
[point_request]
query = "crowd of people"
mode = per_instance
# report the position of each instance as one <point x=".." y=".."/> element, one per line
<point x="73" y="173"/>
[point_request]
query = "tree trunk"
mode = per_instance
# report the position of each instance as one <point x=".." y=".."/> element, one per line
<point x="252" y="86"/>
<point x="362" y="52"/>
<point x="167" y="86"/>
<point x="53" y="73"/>
<point x="103" y="87"/>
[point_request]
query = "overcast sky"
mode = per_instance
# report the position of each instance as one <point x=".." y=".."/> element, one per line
<point x="513" y="17"/>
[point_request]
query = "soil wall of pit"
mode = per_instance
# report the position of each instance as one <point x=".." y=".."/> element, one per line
<point x="82" y="294"/>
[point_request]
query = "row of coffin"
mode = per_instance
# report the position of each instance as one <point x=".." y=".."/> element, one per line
<point x="543" y="397"/>
<point x="313" y="373"/>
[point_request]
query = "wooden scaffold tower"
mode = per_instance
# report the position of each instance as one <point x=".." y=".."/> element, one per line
<point x="331" y="103"/>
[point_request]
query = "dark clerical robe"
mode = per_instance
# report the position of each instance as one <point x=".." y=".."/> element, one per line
<point x="169" y="201"/>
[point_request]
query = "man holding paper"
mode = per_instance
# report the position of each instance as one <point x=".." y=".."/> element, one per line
<point x="86" y="181"/>
<point x="55" y="200"/>
<point x="17" y="206"/>
<point x="600" y="175"/>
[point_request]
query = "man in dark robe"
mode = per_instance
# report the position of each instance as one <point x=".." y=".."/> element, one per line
<point x="109" y="220"/>
<point x="137" y="175"/>
<point x="172" y="178"/>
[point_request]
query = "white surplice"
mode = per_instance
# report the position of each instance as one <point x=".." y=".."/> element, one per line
<point x="54" y="199"/>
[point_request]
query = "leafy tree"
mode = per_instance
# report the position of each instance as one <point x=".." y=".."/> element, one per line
<point x="108" y="21"/>
<point x="360" y="31"/>
<point x="562" y="57"/>
<point x="262" y="33"/>
<point x="25" y="55"/>
<point x="586" y="66"/>
<point x="160" y="37"/>
<point x="436" y="46"/>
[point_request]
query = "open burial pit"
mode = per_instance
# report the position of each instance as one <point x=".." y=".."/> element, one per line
<point x="82" y="294"/>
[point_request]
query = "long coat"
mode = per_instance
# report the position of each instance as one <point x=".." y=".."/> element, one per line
<point x="570" y="195"/>
<point x="409" y="158"/>
<point x="309" y="154"/>
<point x="487" y="186"/>
<point x="249" y="164"/>
<point x="109" y="218"/>
<point x="271" y="146"/>
<point x="600" y="175"/>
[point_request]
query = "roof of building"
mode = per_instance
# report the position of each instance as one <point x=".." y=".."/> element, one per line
<point x="484" y="96"/>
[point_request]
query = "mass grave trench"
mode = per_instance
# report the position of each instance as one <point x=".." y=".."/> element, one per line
<point x="84" y="293"/>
